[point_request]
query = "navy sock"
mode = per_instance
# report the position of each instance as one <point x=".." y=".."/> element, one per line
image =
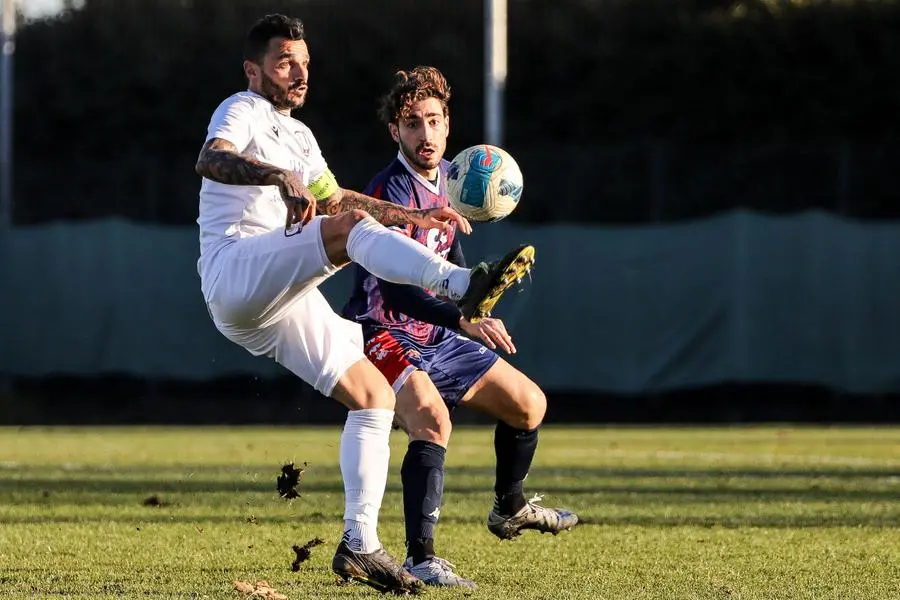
<point x="515" y="450"/>
<point x="423" y="489"/>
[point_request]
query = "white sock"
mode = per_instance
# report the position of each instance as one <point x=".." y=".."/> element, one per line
<point x="399" y="259"/>
<point x="365" y="452"/>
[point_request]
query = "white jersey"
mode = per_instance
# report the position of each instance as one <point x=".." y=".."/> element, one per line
<point x="259" y="131"/>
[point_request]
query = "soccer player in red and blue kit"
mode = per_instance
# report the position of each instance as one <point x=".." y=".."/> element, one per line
<point x="424" y="347"/>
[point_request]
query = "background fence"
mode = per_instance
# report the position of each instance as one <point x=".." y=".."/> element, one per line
<point x="712" y="187"/>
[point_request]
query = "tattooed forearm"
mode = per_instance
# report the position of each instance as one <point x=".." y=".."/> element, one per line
<point x="386" y="213"/>
<point x="220" y="161"/>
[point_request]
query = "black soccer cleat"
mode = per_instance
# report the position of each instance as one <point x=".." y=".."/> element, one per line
<point x="376" y="569"/>
<point x="488" y="281"/>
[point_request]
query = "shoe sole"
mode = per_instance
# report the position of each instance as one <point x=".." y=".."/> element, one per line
<point x="518" y="268"/>
<point x="509" y="533"/>
<point x="471" y="585"/>
<point x="397" y="590"/>
<point x="455" y="586"/>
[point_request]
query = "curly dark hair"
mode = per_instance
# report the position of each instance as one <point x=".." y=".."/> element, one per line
<point x="410" y="87"/>
<point x="268" y="27"/>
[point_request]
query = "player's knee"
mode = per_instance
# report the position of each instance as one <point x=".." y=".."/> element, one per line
<point x="537" y="408"/>
<point x="349" y="219"/>
<point x="356" y="215"/>
<point x="336" y="232"/>
<point x="427" y="421"/>
<point x="377" y="395"/>
<point x="532" y="405"/>
<point x="441" y="427"/>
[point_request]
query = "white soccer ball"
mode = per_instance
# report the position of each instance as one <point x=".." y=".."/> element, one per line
<point x="484" y="183"/>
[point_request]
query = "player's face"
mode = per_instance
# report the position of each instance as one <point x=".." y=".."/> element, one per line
<point x="422" y="135"/>
<point x="283" y="77"/>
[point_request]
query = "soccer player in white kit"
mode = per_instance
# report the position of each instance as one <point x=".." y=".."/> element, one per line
<point x="264" y="251"/>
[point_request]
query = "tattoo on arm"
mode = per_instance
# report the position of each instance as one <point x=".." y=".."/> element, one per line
<point x="220" y="161"/>
<point x="386" y="213"/>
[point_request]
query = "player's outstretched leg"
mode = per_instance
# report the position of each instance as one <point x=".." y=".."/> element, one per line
<point x="519" y="404"/>
<point x="356" y="236"/>
<point x="488" y="281"/>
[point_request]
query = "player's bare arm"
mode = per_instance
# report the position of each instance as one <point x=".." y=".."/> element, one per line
<point x="220" y="161"/>
<point x="390" y="214"/>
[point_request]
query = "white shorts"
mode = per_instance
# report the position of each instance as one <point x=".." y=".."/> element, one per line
<point x="261" y="294"/>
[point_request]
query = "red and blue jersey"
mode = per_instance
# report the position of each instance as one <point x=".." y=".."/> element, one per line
<point x="378" y="304"/>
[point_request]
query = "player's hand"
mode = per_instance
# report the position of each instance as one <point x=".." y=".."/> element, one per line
<point x="301" y="204"/>
<point x="491" y="331"/>
<point x="440" y="218"/>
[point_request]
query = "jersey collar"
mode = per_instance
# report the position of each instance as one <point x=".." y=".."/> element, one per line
<point x="272" y="106"/>
<point x="433" y="188"/>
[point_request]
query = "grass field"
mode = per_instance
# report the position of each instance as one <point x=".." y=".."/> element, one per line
<point x="762" y="513"/>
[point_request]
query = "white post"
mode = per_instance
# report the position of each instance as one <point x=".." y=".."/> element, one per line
<point x="7" y="48"/>
<point x="495" y="69"/>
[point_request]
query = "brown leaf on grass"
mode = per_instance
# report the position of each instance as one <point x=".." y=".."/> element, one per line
<point x="304" y="552"/>
<point x="260" y="589"/>
<point x="288" y="480"/>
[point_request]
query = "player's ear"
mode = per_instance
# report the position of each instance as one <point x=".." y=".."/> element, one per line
<point x="447" y="123"/>
<point x="395" y="132"/>
<point x="251" y="69"/>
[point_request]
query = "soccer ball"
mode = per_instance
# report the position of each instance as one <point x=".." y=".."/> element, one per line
<point x="484" y="183"/>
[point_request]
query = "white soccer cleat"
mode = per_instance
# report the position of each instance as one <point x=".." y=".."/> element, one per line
<point x="531" y="516"/>
<point x="437" y="572"/>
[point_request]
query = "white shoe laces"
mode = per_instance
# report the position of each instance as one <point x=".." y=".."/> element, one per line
<point x="445" y="564"/>
<point x="436" y="566"/>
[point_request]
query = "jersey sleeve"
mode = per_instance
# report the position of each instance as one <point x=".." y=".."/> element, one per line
<point x="233" y="122"/>
<point x="418" y="304"/>
<point x="318" y="166"/>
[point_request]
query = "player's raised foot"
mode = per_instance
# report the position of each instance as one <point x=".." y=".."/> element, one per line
<point x="531" y="516"/>
<point x="376" y="569"/>
<point x="437" y="572"/>
<point x="488" y="281"/>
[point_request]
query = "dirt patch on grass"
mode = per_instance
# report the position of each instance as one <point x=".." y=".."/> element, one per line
<point x="260" y="589"/>
<point x="154" y="500"/>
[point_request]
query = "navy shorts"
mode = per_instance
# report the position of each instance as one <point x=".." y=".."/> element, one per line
<point x="452" y="361"/>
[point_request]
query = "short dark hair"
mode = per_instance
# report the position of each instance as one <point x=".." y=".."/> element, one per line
<point x="410" y="87"/>
<point x="268" y="27"/>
